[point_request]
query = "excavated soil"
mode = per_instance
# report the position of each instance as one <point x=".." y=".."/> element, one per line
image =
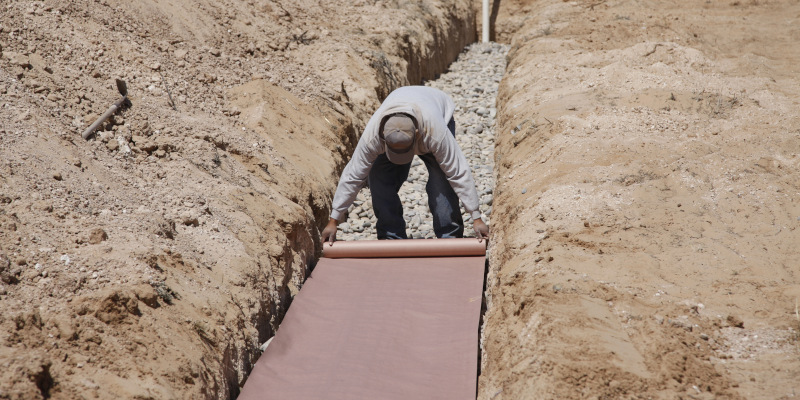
<point x="644" y="222"/>
<point x="153" y="260"/>
<point x="647" y="203"/>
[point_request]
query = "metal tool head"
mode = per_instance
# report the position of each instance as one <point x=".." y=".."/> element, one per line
<point x="122" y="87"/>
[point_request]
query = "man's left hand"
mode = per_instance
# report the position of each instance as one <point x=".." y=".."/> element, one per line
<point x="481" y="229"/>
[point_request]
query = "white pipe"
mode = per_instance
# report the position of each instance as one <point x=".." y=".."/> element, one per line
<point x="485" y="24"/>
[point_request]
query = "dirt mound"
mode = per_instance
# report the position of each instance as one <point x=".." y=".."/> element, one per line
<point x="154" y="259"/>
<point x="646" y="206"/>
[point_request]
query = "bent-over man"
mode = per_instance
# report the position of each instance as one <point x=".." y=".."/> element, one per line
<point x="413" y="120"/>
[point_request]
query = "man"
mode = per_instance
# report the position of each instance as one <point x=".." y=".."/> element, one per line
<point x="413" y="120"/>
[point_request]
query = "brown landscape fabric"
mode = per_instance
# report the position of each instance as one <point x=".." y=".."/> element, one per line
<point x="378" y="328"/>
<point x="405" y="248"/>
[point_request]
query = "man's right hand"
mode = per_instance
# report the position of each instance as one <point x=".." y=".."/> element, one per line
<point x="329" y="233"/>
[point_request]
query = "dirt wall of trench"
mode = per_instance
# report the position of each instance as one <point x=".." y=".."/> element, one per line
<point x="646" y="212"/>
<point x="151" y="261"/>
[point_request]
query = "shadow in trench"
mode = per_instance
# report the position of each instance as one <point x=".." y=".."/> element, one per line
<point x="480" y="321"/>
<point x="493" y="19"/>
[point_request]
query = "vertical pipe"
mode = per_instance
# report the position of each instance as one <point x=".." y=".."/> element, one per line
<point x="485" y="24"/>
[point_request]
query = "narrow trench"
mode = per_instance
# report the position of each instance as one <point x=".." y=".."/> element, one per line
<point x="472" y="81"/>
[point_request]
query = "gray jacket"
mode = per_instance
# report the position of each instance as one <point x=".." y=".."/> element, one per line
<point x="433" y="109"/>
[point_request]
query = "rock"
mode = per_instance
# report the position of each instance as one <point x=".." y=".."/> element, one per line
<point x="117" y="306"/>
<point x="734" y="321"/>
<point x="147" y="295"/>
<point x="275" y="250"/>
<point x="97" y="235"/>
<point x="8" y="274"/>
<point x="189" y="219"/>
<point x="475" y="130"/>
<point x="164" y="228"/>
<point x="144" y="144"/>
<point x="17" y="59"/>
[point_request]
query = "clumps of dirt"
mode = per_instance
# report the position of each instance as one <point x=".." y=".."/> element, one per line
<point x="182" y="228"/>
<point x="643" y="221"/>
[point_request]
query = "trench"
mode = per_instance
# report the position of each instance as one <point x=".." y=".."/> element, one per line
<point x="472" y="81"/>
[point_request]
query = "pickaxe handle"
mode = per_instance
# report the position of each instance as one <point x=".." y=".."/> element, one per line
<point x="111" y="110"/>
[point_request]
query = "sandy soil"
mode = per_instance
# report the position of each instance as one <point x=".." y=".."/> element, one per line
<point x="647" y="202"/>
<point x="152" y="261"/>
<point x="645" y="218"/>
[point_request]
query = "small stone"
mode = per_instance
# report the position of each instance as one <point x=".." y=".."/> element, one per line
<point x="735" y="321"/>
<point x="215" y="52"/>
<point x="57" y="176"/>
<point x="189" y="219"/>
<point x="17" y="59"/>
<point x="97" y="235"/>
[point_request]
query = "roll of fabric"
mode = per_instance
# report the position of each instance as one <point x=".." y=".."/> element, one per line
<point x="467" y="247"/>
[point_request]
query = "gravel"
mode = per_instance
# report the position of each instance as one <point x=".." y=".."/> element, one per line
<point x="472" y="82"/>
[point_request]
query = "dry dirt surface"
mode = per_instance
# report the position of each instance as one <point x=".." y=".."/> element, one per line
<point x="646" y="212"/>
<point x="153" y="260"/>
<point x="645" y="238"/>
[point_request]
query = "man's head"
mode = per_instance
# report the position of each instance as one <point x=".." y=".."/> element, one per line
<point x="399" y="135"/>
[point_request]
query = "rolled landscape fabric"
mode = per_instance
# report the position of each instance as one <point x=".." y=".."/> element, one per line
<point x="465" y="247"/>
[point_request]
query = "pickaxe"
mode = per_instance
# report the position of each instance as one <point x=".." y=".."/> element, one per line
<point x="123" y="90"/>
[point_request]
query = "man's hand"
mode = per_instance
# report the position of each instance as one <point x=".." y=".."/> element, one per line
<point x="481" y="229"/>
<point x="329" y="233"/>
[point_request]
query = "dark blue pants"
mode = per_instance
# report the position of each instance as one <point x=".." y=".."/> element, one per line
<point x="385" y="180"/>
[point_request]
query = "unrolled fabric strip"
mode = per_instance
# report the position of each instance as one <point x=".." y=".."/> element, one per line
<point x="466" y="247"/>
<point x="389" y="319"/>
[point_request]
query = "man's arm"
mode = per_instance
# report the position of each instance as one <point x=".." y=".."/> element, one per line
<point x="455" y="166"/>
<point x="352" y="180"/>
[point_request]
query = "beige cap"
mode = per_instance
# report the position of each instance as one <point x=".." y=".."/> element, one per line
<point x="399" y="136"/>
